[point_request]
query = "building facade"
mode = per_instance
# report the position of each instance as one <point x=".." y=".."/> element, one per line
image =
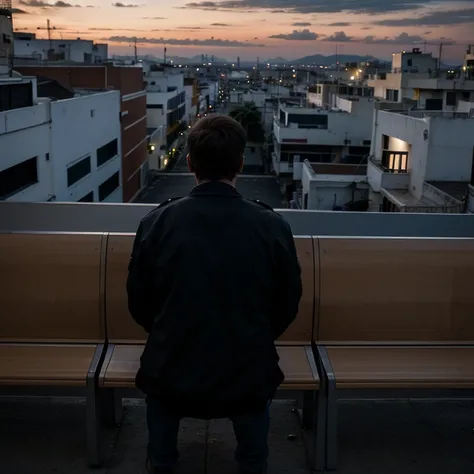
<point x="28" y="47"/>
<point x="421" y="162"/>
<point x="133" y="113"/>
<point x="6" y="37"/>
<point x="64" y="150"/>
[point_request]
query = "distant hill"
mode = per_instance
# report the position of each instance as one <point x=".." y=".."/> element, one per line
<point x="321" y="60"/>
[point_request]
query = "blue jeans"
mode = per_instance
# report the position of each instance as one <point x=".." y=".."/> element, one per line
<point x="251" y="432"/>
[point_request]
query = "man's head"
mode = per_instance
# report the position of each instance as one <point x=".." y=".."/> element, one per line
<point x="216" y="146"/>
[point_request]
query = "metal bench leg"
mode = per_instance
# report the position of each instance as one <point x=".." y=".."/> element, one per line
<point x="111" y="406"/>
<point x="93" y="409"/>
<point x="319" y="430"/>
<point x="331" y="416"/>
<point x="308" y="410"/>
<point x="314" y="404"/>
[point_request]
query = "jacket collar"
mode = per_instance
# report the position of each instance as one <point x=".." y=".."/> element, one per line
<point x="215" y="188"/>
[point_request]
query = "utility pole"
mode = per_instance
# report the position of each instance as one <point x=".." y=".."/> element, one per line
<point x="135" y="50"/>
<point x="49" y="28"/>
<point x="164" y="53"/>
<point x="439" y="59"/>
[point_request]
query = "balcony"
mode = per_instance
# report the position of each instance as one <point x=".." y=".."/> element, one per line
<point x="26" y="117"/>
<point x="380" y="176"/>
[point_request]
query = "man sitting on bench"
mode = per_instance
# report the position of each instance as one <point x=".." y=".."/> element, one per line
<point x="214" y="279"/>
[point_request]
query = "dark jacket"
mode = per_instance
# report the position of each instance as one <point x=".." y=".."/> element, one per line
<point x="215" y="280"/>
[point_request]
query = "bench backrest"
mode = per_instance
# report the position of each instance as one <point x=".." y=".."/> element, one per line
<point x="121" y="327"/>
<point x="50" y="288"/>
<point x="395" y="290"/>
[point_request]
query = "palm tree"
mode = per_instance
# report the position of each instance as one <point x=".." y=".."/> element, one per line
<point x="250" y="118"/>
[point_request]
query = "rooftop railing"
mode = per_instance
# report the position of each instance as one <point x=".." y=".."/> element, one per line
<point x="111" y="217"/>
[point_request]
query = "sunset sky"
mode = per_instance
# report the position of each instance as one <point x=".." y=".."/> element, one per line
<point x="251" y="28"/>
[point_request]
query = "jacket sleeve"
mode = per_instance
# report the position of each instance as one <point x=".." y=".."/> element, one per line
<point x="289" y="285"/>
<point x="137" y="283"/>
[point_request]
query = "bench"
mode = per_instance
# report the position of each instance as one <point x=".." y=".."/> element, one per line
<point x="126" y="340"/>
<point x="52" y="333"/>
<point x="394" y="314"/>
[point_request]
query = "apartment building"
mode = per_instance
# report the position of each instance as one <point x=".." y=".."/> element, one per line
<point x="191" y="89"/>
<point x="165" y="100"/>
<point x="326" y="93"/>
<point x="417" y="78"/>
<point x="29" y="48"/>
<point x="133" y="113"/>
<point x="59" y="150"/>
<point x="421" y="161"/>
<point x="6" y="37"/>
<point x="333" y="187"/>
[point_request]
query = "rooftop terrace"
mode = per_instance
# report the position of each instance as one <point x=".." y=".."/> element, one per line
<point x="419" y="437"/>
<point x="398" y="433"/>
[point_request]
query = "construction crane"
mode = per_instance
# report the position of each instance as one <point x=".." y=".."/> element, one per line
<point x="49" y="28"/>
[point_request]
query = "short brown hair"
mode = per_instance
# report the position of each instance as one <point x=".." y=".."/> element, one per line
<point x="216" y="146"/>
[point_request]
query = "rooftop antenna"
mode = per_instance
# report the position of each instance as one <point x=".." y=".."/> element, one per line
<point x="49" y="28"/>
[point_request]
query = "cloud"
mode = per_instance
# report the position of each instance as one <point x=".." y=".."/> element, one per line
<point x="318" y="6"/>
<point x="301" y="23"/>
<point x="154" y="18"/>
<point x="220" y="24"/>
<point x="339" y="37"/>
<point x="42" y="4"/>
<point x="191" y="28"/>
<point x="436" y="18"/>
<point x="367" y="28"/>
<point x="185" y="42"/>
<point x="340" y="23"/>
<point x="402" y="38"/>
<point x="302" y="35"/>
<point x="124" y="5"/>
<point x="19" y="11"/>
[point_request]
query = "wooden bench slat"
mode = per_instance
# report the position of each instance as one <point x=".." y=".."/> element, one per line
<point x="125" y="361"/>
<point x="378" y="290"/>
<point x="50" y="288"/>
<point x="402" y="367"/>
<point x="39" y="364"/>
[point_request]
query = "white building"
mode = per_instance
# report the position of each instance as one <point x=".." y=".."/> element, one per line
<point x="326" y="94"/>
<point x="318" y="135"/>
<point x="166" y="97"/>
<point x="415" y="78"/>
<point x="208" y="96"/>
<point x="192" y="99"/>
<point x="64" y="150"/>
<point x="6" y="39"/>
<point x="422" y="162"/>
<point x="333" y="187"/>
<point x="27" y="46"/>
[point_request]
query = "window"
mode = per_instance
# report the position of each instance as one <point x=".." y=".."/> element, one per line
<point x="107" y="152"/>
<point x="78" y="170"/>
<point x="450" y="99"/>
<point x="465" y="95"/>
<point x="18" y="177"/>
<point x="109" y="186"/>
<point x="410" y="62"/>
<point x="394" y="161"/>
<point x="89" y="197"/>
